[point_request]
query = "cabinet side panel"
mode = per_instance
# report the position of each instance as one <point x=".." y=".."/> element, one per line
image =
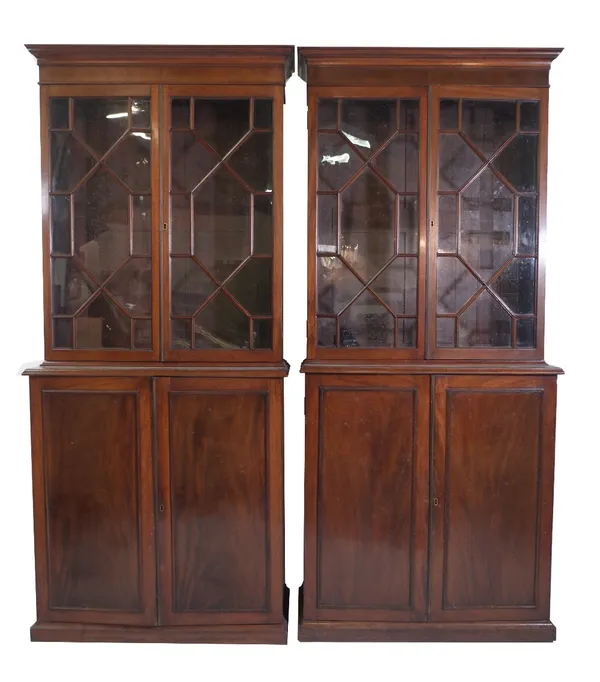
<point x="365" y="491"/>
<point x="91" y="500"/>
<point x="218" y="501"/>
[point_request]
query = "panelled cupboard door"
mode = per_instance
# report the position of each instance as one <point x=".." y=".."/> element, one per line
<point x="366" y="513"/>
<point x="94" y="501"/>
<point x="222" y="247"/>
<point x="220" y="471"/>
<point x="492" y="508"/>
<point x="100" y="192"/>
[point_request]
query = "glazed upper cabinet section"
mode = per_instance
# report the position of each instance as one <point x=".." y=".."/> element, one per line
<point x="488" y="178"/>
<point x="368" y="176"/>
<point x="224" y="158"/>
<point x="98" y="160"/>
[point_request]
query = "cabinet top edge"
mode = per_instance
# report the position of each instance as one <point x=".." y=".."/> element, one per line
<point x="424" y="57"/>
<point x="199" y="55"/>
<point x="428" y="367"/>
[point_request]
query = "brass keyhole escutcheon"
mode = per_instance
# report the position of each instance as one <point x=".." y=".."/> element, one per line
<point x="161" y="508"/>
<point x="435" y="502"/>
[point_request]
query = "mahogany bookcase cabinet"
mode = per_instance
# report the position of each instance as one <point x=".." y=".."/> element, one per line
<point x="157" y="414"/>
<point x="429" y="409"/>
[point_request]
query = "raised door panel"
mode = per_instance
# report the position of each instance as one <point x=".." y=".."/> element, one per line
<point x="220" y="501"/>
<point x="493" y="474"/>
<point x="222" y="147"/>
<point x="100" y="197"/>
<point x="93" y="494"/>
<point x="366" y="498"/>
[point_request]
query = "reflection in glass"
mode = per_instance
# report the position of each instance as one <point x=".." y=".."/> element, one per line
<point x="191" y="161"/>
<point x="263" y="225"/>
<point x="221" y="325"/>
<point x="102" y="324"/>
<point x="131" y="286"/>
<point x="222" y="122"/>
<point x="142" y="334"/>
<point x="397" y="286"/>
<point x="457" y="162"/>
<point x="69" y="162"/>
<point x="327" y="223"/>
<point x="101" y="122"/>
<point x="516" y="285"/>
<point x="408" y="237"/>
<point x="263" y="113"/>
<point x="445" y="330"/>
<point x="530" y="114"/>
<point x="409" y="114"/>
<point x="253" y="161"/>
<point x="455" y="285"/>
<point x="262" y="334"/>
<point x="252" y="286"/>
<point x="484" y="323"/>
<point x="60" y="211"/>
<point x="326" y="331"/>
<point x="527" y="225"/>
<point x="337" y="162"/>
<point x="526" y="333"/>
<point x="488" y="124"/>
<point x="368" y="123"/>
<point x="399" y="163"/>
<point x="221" y="223"/>
<point x="142" y="225"/>
<point x="62" y="333"/>
<point x="327" y="114"/>
<point x="486" y="226"/>
<point x="71" y="286"/>
<point x="140" y="113"/>
<point x="181" y="334"/>
<point x="180" y="113"/>
<point x="518" y="163"/>
<point x="59" y="113"/>
<point x="447" y="223"/>
<point x="130" y="161"/>
<point x="448" y="114"/>
<point x="367" y="224"/>
<point x="190" y="286"/>
<point x="336" y="285"/>
<point x="180" y="223"/>
<point x="407" y="333"/>
<point x="366" y="323"/>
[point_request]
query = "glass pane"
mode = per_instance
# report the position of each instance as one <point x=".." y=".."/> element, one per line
<point x="71" y="287"/>
<point x="101" y="122"/>
<point x="191" y="161"/>
<point x="447" y="223"/>
<point x="516" y="285"/>
<point x="397" y="286"/>
<point x="366" y="323"/>
<point x="326" y="331"/>
<point x="102" y="324"/>
<point x="518" y="163"/>
<point x="180" y="113"/>
<point x="367" y="224"/>
<point x="140" y="113"/>
<point x="252" y="286"/>
<point x="407" y="333"/>
<point x="488" y="124"/>
<point x="337" y="162"/>
<point x="445" y="328"/>
<point x="368" y="123"/>
<point x="409" y="114"/>
<point x="181" y="334"/>
<point x="221" y="223"/>
<point x="530" y="114"/>
<point x="526" y="333"/>
<point x="142" y="225"/>
<point x="527" y="225"/>
<point x="484" y="323"/>
<point x="190" y="286"/>
<point x="399" y="163"/>
<point x="448" y="114"/>
<point x="221" y="324"/>
<point x="130" y="161"/>
<point x="336" y="285"/>
<point x="327" y="114"/>
<point x="69" y="162"/>
<point x="486" y="227"/>
<point x="263" y="225"/>
<point x="457" y="163"/>
<point x="262" y="333"/>
<point x="60" y="208"/>
<point x="102" y="224"/>
<point x="181" y="223"/>
<point x="222" y="122"/>
<point x="142" y="334"/>
<point x="455" y="285"/>
<point x="62" y="333"/>
<point x="327" y="223"/>
<point x="253" y="161"/>
<point x="408" y="237"/>
<point x="59" y="113"/>
<point x="263" y="113"/>
<point x="132" y="287"/>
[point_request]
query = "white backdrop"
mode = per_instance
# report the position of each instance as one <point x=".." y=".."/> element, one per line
<point x="572" y="327"/>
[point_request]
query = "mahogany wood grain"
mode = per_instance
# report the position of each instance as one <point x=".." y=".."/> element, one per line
<point x="366" y="510"/>
<point x="220" y="500"/>
<point x="94" y="525"/>
<point x="429" y="367"/>
<point x="493" y="472"/>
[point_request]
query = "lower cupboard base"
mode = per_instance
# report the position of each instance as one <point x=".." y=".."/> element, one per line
<point x="275" y="633"/>
<point x="337" y="631"/>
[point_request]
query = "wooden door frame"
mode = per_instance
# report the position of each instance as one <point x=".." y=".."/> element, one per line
<point x="272" y="389"/>
<point x="139" y="387"/>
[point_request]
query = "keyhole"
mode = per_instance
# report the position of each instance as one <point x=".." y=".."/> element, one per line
<point x="161" y="508"/>
<point x="435" y="502"/>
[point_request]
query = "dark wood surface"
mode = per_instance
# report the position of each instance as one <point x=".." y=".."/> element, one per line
<point x="367" y="473"/>
<point x="164" y="369"/>
<point x="493" y="473"/>
<point x="93" y="497"/>
<point x="221" y="554"/>
<point x="428" y="367"/>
